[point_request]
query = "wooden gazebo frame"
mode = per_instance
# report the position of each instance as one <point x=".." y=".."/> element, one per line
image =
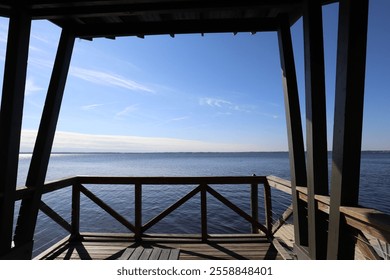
<point x="315" y="238"/>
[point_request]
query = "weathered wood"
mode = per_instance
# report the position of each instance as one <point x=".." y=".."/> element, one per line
<point x="75" y="211"/>
<point x="174" y="255"/>
<point x="294" y="129"/>
<point x="11" y="119"/>
<point x="107" y="208"/>
<point x="316" y="139"/>
<point x="136" y="253"/>
<point x="282" y="220"/>
<point x="48" y="211"/>
<point x="255" y="206"/>
<point x="127" y="253"/>
<point x="369" y="253"/>
<point x="28" y="213"/>
<point x="268" y="208"/>
<point x="138" y="211"/>
<point x="282" y="251"/>
<point x="155" y="255"/>
<point x="279" y="184"/>
<point x="170" y="209"/>
<point x="203" y="211"/>
<point x="368" y="220"/>
<point x="236" y="209"/>
<point x="348" y="119"/>
<point x="253" y="247"/>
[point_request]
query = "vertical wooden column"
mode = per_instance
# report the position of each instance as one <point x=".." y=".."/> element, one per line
<point x="11" y="120"/>
<point x="348" y="119"/>
<point x="138" y="211"/>
<point x="294" y="131"/>
<point x="76" y="211"/>
<point x="268" y="208"/>
<point x="203" y="211"/>
<point x="255" y="206"/>
<point x="316" y="139"/>
<point x="36" y="176"/>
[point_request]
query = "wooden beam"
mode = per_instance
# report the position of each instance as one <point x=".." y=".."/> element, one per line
<point x="170" y="209"/>
<point x="316" y="139"/>
<point x="268" y="208"/>
<point x="11" y="119"/>
<point x="236" y="209"/>
<point x="75" y="211"/>
<point x="294" y="130"/>
<point x="255" y="206"/>
<point x="48" y="211"/>
<point x="176" y="27"/>
<point x="107" y="208"/>
<point x="38" y="167"/>
<point x="203" y="211"/>
<point x="138" y="211"/>
<point x="348" y="119"/>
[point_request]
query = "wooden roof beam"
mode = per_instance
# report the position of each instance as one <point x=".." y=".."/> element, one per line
<point x="175" y="27"/>
<point x="122" y="9"/>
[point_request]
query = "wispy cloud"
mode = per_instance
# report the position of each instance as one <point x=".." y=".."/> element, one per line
<point x="179" y="119"/>
<point x="224" y="104"/>
<point x="127" y="111"/>
<point x="77" y="142"/>
<point x="91" y="107"/>
<point x="105" y="78"/>
<point x="214" y="102"/>
<point x="32" y="87"/>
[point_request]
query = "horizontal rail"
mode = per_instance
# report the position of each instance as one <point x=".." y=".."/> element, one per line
<point x="368" y="220"/>
<point x="225" y="180"/>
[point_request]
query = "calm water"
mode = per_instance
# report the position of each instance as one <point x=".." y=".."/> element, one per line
<point x="375" y="189"/>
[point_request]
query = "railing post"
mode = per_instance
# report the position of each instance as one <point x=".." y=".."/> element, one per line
<point x="138" y="211"/>
<point x="75" y="211"/>
<point x="255" y="206"/>
<point x="203" y="207"/>
<point x="268" y="208"/>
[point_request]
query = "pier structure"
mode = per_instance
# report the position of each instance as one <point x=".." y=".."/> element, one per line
<point x="326" y="225"/>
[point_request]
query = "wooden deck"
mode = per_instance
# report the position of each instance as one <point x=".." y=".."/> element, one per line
<point x="98" y="246"/>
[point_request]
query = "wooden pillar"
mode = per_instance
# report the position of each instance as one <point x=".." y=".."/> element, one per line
<point x="316" y="139"/>
<point x="294" y="131"/>
<point x="348" y="119"/>
<point x="203" y="211"/>
<point x="36" y="176"/>
<point x="138" y="211"/>
<point x="11" y="119"/>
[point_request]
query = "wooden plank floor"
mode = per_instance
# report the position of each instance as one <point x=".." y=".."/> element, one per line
<point x="111" y="246"/>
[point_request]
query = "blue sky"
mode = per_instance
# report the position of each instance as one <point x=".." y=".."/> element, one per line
<point x="191" y="93"/>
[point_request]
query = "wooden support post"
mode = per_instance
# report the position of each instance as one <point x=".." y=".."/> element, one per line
<point x="348" y="119"/>
<point x="255" y="206"/>
<point x="294" y="131"/>
<point x="11" y="119"/>
<point x="75" y="211"/>
<point x="316" y="139"/>
<point x="268" y="208"/>
<point x="36" y="176"/>
<point x="138" y="211"/>
<point x="203" y="210"/>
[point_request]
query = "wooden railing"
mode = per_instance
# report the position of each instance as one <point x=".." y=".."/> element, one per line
<point x="364" y="224"/>
<point x="202" y="186"/>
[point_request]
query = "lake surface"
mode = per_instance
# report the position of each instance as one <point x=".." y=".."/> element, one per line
<point x="374" y="189"/>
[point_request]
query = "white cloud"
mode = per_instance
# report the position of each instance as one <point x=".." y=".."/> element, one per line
<point x="127" y="111"/>
<point x="108" y="79"/>
<point x="32" y="87"/>
<point x="214" y="102"/>
<point x="91" y="106"/>
<point x="224" y="104"/>
<point x="78" y="142"/>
